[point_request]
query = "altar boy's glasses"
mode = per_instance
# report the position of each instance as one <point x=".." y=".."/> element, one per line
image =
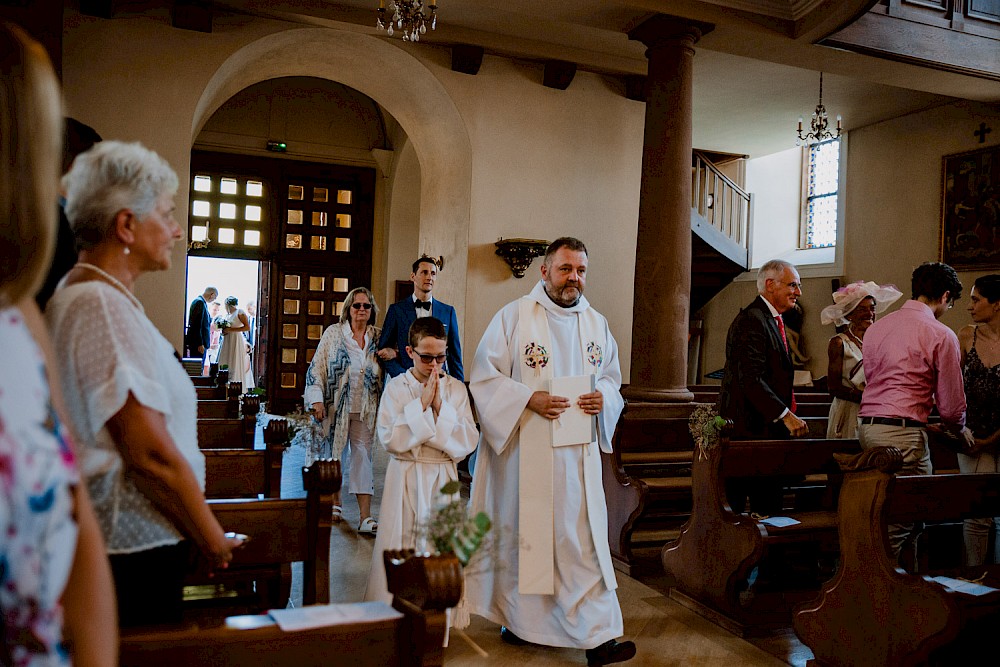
<point x="430" y="358"/>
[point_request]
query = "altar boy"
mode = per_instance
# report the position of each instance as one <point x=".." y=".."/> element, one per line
<point x="425" y="423"/>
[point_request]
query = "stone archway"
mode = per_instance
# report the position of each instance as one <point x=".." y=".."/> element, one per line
<point x="406" y="89"/>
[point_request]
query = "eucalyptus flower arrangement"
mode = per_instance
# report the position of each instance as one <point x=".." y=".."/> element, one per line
<point x="450" y="529"/>
<point x="304" y="431"/>
<point x="221" y="323"/>
<point x="705" y="424"/>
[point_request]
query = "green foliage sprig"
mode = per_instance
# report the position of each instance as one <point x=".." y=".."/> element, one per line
<point x="451" y="530"/>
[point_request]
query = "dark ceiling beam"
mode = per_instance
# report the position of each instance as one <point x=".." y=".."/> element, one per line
<point x="103" y="9"/>
<point x="466" y="58"/>
<point x="192" y="15"/>
<point x="558" y="74"/>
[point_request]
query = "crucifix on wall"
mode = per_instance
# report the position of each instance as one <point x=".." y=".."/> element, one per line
<point x="982" y="132"/>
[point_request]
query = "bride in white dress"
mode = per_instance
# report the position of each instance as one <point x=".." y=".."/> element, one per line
<point x="235" y="352"/>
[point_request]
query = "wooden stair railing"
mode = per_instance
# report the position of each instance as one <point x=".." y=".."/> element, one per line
<point x="725" y="205"/>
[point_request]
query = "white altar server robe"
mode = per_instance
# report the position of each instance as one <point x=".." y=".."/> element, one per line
<point x="584" y="611"/>
<point x="422" y="458"/>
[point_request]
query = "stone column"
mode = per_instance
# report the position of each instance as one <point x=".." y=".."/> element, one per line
<point x="663" y="248"/>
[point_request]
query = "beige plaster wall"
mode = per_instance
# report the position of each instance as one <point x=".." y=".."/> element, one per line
<point x="892" y="219"/>
<point x="403" y="211"/>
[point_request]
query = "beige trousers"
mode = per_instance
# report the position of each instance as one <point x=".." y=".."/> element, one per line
<point x="912" y="443"/>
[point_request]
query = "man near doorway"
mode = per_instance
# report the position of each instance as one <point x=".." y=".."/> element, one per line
<point x="756" y="392"/>
<point x="549" y="580"/>
<point x="252" y="317"/>
<point x="198" y="336"/>
<point x="396" y="328"/>
<point x="913" y="363"/>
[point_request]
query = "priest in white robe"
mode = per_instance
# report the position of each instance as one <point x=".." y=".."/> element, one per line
<point x="548" y="578"/>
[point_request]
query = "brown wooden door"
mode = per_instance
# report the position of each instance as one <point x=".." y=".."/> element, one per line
<point x="315" y="240"/>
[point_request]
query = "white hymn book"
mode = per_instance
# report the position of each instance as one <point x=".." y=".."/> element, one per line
<point x="574" y="426"/>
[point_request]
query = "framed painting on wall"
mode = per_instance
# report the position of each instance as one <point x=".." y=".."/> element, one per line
<point x="970" y="215"/>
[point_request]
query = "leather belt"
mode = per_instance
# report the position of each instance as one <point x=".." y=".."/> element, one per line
<point x="893" y="421"/>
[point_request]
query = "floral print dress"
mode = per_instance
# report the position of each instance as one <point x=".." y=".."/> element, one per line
<point x="38" y="532"/>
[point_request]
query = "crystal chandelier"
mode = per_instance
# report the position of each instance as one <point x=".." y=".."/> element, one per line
<point x="820" y="124"/>
<point x="408" y="16"/>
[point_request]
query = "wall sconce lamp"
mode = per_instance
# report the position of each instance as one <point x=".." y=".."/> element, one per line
<point x="518" y="253"/>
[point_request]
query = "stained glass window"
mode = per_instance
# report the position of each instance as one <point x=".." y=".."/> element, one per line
<point x="821" y="194"/>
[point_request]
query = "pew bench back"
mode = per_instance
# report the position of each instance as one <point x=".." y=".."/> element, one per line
<point x="930" y="623"/>
<point x="718" y="548"/>
<point x="423" y="588"/>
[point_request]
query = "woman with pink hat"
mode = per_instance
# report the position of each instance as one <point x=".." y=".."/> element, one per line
<point x="854" y="306"/>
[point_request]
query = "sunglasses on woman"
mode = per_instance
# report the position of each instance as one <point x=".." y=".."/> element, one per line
<point x="357" y="305"/>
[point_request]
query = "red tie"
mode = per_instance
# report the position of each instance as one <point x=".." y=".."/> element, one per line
<point x="781" y="328"/>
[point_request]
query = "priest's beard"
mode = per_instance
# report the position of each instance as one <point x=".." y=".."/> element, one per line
<point x="566" y="296"/>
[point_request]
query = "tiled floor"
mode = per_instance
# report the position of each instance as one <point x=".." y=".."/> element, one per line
<point x="665" y="633"/>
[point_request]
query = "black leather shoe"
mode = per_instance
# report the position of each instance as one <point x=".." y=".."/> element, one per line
<point x="609" y="652"/>
<point x="510" y="638"/>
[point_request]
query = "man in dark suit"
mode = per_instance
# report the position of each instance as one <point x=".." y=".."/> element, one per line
<point x="756" y="390"/>
<point x="198" y="336"/>
<point x="396" y="328"/>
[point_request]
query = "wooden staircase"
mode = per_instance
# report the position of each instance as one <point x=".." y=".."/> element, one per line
<point x="721" y="215"/>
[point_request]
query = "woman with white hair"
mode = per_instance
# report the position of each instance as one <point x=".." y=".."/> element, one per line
<point x="855" y="307"/>
<point x="133" y="403"/>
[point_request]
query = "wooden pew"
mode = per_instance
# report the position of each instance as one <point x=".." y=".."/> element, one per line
<point x="228" y="407"/>
<point x="718" y="549"/>
<point x="874" y="613"/>
<point x="282" y="531"/>
<point x="231" y="433"/>
<point x="216" y="378"/>
<point x="423" y="587"/>
<point x="193" y="366"/>
<point x="647" y="477"/>
<point x="248" y="473"/>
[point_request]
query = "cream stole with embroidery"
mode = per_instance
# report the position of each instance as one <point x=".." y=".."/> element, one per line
<point x="536" y="553"/>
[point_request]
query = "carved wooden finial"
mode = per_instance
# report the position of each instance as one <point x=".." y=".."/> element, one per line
<point x="429" y="582"/>
<point x="276" y="431"/>
<point x="886" y="459"/>
<point x="251" y="404"/>
<point x="323" y="475"/>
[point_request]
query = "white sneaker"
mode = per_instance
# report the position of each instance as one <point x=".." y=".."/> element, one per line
<point x="368" y="526"/>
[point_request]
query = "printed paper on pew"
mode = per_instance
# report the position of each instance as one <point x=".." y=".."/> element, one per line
<point x="574" y="426"/>
<point x="318" y="616"/>
<point x="963" y="586"/>
<point x="780" y="521"/>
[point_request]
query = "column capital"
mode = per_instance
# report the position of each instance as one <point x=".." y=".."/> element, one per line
<point x="659" y="29"/>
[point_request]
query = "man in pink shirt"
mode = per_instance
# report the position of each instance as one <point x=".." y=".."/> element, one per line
<point x="912" y="363"/>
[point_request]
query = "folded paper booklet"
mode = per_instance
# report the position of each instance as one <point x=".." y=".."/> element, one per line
<point x="574" y="426"/>
<point x="318" y="616"/>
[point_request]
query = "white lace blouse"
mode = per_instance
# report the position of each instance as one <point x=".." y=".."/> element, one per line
<point x="108" y="348"/>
